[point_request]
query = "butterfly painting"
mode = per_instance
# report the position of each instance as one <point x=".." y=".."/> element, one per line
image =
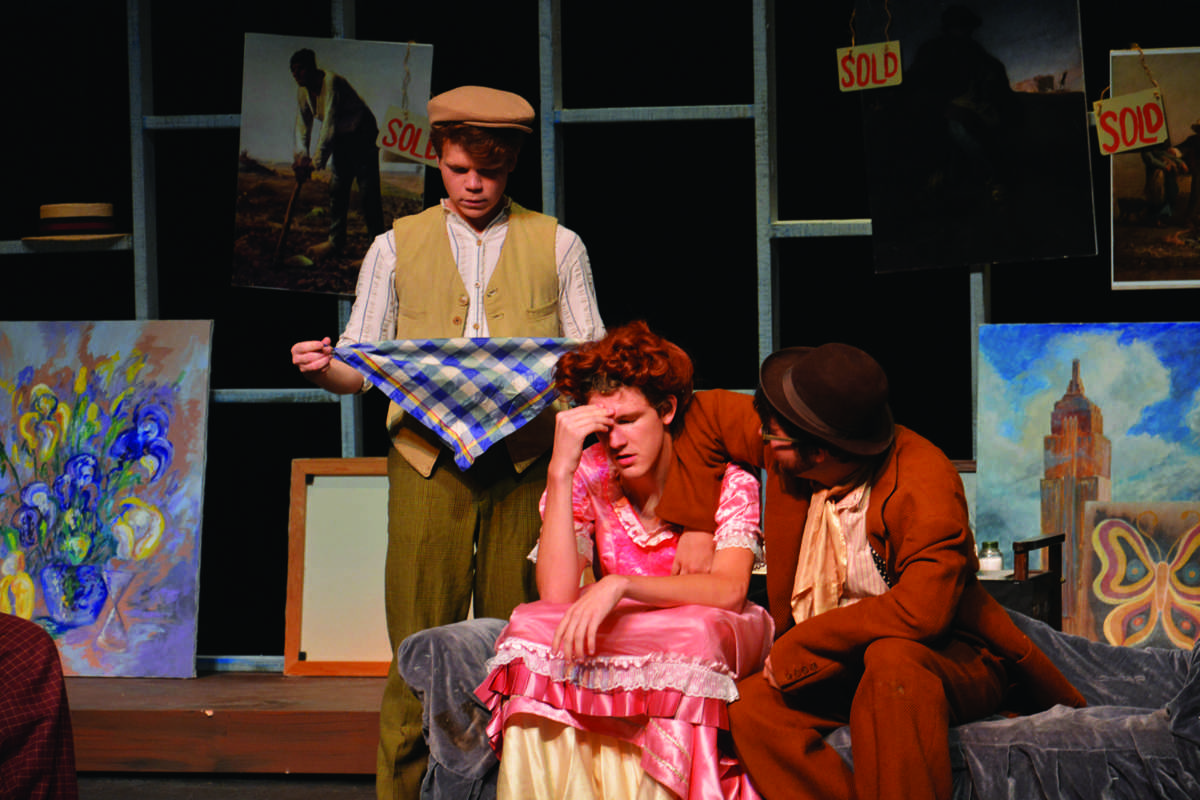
<point x="1146" y="589"/>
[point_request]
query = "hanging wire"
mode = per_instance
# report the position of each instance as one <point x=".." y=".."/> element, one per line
<point x="1146" y="67"/>
<point x="887" y="28"/>
<point x="407" y="77"/>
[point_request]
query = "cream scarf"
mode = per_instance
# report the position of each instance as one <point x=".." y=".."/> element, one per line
<point x="822" y="567"/>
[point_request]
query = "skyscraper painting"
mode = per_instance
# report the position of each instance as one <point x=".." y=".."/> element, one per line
<point x="1071" y="414"/>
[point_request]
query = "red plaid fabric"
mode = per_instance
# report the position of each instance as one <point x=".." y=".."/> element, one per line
<point x="37" y="753"/>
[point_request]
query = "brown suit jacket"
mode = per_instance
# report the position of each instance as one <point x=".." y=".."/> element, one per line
<point x="917" y="523"/>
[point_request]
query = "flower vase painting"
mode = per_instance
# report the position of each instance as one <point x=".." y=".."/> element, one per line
<point x="102" y="444"/>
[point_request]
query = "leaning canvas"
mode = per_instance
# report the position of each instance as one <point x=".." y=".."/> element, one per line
<point x="102" y="445"/>
<point x="1073" y="414"/>
<point x="1140" y="574"/>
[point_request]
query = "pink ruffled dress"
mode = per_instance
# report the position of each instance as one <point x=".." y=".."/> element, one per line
<point x="662" y="678"/>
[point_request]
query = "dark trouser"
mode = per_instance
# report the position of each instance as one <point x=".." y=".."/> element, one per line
<point x="355" y="157"/>
<point x="900" y="708"/>
<point x="451" y="537"/>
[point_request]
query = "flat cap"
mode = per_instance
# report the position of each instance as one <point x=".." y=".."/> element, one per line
<point x="479" y="105"/>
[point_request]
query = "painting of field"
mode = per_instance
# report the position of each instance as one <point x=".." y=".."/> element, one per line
<point x="302" y="123"/>
<point x="261" y="260"/>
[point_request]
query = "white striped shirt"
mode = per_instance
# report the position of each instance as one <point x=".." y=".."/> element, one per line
<point x="862" y="576"/>
<point x="373" y="316"/>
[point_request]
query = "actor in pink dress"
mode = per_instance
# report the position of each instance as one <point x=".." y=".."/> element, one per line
<point x="620" y="689"/>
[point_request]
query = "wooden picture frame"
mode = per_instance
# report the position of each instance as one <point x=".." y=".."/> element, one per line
<point x="337" y="541"/>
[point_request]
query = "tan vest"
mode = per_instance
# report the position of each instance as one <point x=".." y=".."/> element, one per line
<point x="520" y="300"/>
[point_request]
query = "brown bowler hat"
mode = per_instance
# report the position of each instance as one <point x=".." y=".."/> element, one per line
<point x="479" y="105"/>
<point x="835" y="392"/>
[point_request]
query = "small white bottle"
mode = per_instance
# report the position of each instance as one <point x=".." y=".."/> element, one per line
<point x="990" y="559"/>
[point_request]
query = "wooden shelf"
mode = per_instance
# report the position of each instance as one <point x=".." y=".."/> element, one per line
<point x="11" y="247"/>
<point x="226" y="723"/>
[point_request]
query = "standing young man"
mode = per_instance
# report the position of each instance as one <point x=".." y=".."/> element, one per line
<point x="871" y="566"/>
<point x="477" y="265"/>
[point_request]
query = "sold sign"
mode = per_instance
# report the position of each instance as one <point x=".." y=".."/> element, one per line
<point x="407" y="135"/>
<point x="1130" y="121"/>
<point x="868" y="66"/>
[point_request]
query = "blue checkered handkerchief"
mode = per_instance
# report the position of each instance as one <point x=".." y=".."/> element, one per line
<point x="470" y="392"/>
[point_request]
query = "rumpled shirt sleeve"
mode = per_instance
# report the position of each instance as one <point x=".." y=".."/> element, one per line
<point x="373" y="315"/>
<point x="578" y="314"/>
<point x="738" y="513"/>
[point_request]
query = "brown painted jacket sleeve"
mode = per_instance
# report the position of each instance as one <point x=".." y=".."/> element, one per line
<point x="719" y="426"/>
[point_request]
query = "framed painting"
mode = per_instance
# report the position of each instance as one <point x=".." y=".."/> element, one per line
<point x="1071" y="414"/>
<point x="318" y="177"/>
<point x="981" y="154"/>
<point x="102" y="450"/>
<point x="1154" y="202"/>
<point x="337" y="542"/>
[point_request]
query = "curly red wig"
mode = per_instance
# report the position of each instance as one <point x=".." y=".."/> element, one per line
<point x="634" y="356"/>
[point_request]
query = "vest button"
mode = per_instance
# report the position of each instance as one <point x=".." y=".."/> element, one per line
<point x="457" y="321"/>
<point x="463" y="300"/>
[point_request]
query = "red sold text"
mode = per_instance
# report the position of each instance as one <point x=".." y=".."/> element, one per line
<point x="1127" y="126"/>
<point x="405" y="137"/>
<point x="869" y="66"/>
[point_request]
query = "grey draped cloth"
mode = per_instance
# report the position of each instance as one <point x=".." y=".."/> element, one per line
<point x="1138" y="738"/>
<point x="443" y="666"/>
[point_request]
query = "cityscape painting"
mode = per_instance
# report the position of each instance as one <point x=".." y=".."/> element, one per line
<point x="1072" y="414"/>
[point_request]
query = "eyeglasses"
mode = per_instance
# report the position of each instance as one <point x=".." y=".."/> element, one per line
<point x="770" y="437"/>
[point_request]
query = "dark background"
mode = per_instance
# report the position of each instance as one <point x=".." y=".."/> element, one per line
<point x="666" y="210"/>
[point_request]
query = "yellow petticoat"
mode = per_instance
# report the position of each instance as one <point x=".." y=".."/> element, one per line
<point x="547" y="760"/>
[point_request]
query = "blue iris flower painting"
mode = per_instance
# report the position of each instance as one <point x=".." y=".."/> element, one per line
<point x="1077" y="414"/>
<point x="102" y="441"/>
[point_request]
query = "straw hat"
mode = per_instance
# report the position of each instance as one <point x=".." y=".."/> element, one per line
<point x="75" y="222"/>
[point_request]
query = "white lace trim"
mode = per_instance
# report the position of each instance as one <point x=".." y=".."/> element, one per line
<point x="654" y="671"/>
<point x="745" y="537"/>
<point x="637" y="531"/>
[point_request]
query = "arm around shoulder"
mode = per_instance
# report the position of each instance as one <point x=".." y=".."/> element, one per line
<point x="719" y="426"/>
